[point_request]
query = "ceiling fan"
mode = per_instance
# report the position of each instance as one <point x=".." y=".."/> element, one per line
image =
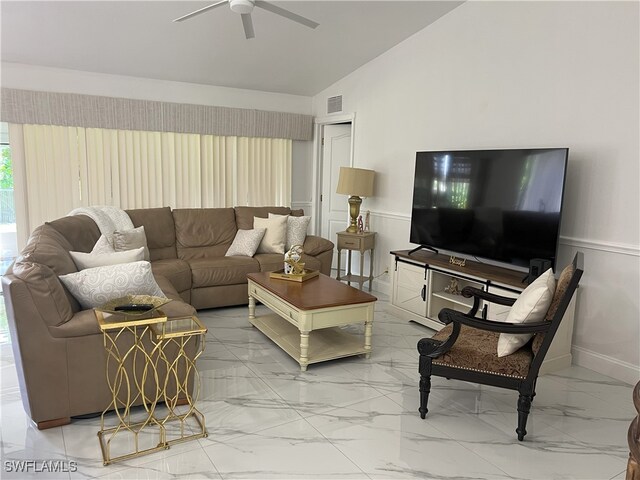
<point x="245" y="7"/>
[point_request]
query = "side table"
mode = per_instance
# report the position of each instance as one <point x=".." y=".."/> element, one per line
<point x="125" y="341"/>
<point x="360" y="242"/>
<point x="151" y="360"/>
<point x="177" y="337"/>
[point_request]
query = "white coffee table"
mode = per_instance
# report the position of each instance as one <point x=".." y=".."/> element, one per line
<point x="307" y="317"/>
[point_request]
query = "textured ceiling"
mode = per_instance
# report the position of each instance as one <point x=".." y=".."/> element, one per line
<point x="139" y="39"/>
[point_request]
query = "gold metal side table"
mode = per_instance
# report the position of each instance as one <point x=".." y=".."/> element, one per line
<point x="168" y="350"/>
<point x="178" y="336"/>
<point x="124" y="340"/>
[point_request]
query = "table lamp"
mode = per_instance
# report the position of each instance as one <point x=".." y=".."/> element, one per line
<point x="355" y="182"/>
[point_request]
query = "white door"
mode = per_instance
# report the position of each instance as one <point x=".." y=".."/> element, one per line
<point x="336" y="153"/>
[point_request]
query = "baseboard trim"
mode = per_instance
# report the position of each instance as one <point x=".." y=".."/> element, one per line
<point x="554" y="364"/>
<point x="612" y="367"/>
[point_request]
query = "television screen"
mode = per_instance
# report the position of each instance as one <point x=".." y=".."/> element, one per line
<point x="502" y="205"/>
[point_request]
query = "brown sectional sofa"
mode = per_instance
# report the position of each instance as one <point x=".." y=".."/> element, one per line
<point x="58" y="347"/>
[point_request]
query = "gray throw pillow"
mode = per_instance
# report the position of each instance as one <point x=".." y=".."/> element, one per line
<point x="130" y="239"/>
<point x="246" y="243"/>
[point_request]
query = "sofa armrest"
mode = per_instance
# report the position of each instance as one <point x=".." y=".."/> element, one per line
<point x="314" y="245"/>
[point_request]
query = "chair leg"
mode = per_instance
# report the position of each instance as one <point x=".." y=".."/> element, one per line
<point x="425" y="388"/>
<point x="524" y="406"/>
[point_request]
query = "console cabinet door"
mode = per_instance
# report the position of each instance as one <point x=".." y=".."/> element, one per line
<point x="409" y="288"/>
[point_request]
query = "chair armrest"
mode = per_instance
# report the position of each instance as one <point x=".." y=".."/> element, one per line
<point x="447" y="316"/>
<point x="314" y="245"/>
<point x="489" y="297"/>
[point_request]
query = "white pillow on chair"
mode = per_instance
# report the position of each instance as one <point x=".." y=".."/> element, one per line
<point x="530" y="307"/>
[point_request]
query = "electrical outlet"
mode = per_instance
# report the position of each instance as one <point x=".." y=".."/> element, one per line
<point x="386" y="270"/>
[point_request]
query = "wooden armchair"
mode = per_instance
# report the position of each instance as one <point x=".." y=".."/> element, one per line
<point x="466" y="349"/>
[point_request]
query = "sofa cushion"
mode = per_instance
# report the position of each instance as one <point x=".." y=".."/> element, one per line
<point x="48" y="247"/>
<point x="204" y="232"/>
<point x="311" y="263"/>
<point x="79" y="230"/>
<point x="95" y="286"/>
<point x="314" y="245"/>
<point x="160" y="229"/>
<point x="175" y="270"/>
<point x="82" y="323"/>
<point x="176" y="308"/>
<point x="208" y="272"/>
<point x="270" y="262"/>
<point x="47" y="293"/>
<point x="244" y="215"/>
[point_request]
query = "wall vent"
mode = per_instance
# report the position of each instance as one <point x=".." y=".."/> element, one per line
<point x="334" y="104"/>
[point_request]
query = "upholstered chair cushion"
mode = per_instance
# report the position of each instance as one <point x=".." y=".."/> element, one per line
<point x="531" y="306"/>
<point x="476" y="350"/>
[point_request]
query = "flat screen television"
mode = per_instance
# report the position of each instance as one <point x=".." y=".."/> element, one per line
<point x="501" y="205"/>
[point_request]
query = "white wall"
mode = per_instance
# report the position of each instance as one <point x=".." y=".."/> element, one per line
<point x="29" y="77"/>
<point x="521" y="74"/>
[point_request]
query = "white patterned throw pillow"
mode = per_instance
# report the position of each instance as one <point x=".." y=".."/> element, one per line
<point x="96" y="286"/>
<point x="92" y="260"/>
<point x="246" y="243"/>
<point x="296" y="229"/>
<point x="531" y="306"/>
<point x="275" y="236"/>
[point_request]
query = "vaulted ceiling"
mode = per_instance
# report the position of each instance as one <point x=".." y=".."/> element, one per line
<point x="139" y="39"/>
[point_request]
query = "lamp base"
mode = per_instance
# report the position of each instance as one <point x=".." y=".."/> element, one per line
<point x="354" y="211"/>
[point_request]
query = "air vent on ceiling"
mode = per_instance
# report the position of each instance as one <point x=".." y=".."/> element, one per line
<point x="334" y="104"/>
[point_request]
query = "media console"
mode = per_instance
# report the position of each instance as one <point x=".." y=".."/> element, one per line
<point x="422" y="284"/>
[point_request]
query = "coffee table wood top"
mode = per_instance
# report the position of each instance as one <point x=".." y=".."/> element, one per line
<point x="319" y="292"/>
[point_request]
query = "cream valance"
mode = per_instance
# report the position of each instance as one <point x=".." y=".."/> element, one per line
<point x="90" y="111"/>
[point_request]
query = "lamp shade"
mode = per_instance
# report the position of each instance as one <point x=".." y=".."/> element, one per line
<point x="355" y="181"/>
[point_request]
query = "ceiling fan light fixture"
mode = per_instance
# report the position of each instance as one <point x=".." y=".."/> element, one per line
<point x="241" y="6"/>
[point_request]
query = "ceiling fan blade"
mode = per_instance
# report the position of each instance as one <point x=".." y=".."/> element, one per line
<point x="202" y="10"/>
<point x="247" y="23"/>
<point x="285" y="13"/>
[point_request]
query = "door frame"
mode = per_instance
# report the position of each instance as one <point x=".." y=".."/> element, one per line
<point x="319" y="124"/>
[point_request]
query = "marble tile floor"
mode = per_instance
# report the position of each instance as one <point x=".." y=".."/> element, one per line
<point x="347" y="419"/>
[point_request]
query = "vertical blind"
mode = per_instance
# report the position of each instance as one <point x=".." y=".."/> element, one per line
<point x="69" y="167"/>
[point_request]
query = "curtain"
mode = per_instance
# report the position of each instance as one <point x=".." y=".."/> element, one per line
<point x="52" y="159"/>
<point x="58" y="169"/>
<point x="264" y="171"/>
